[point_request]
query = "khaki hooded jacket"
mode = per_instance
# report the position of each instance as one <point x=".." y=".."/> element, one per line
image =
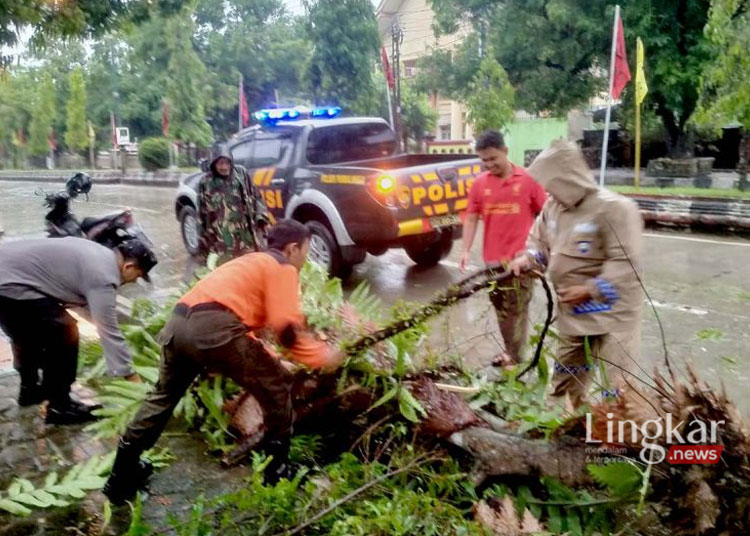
<point x="586" y="235"/>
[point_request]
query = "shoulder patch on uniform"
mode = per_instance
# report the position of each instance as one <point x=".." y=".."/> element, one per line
<point x="584" y="246"/>
<point x="585" y="227"/>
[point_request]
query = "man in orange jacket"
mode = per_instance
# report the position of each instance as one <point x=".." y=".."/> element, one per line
<point x="213" y="328"/>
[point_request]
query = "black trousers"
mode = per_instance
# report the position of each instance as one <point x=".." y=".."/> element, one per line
<point x="211" y="338"/>
<point x="44" y="338"/>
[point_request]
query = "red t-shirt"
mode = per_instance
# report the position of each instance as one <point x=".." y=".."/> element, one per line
<point x="508" y="208"/>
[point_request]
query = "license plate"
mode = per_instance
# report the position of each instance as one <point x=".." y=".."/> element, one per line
<point x="444" y="221"/>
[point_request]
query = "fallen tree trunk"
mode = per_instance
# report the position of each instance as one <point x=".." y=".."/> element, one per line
<point x="508" y="454"/>
<point x="702" y="499"/>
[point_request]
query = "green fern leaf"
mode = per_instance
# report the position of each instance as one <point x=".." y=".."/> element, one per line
<point x="50" y="480"/>
<point x="30" y="500"/>
<point x="621" y="478"/>
<point x="14" y="508"/>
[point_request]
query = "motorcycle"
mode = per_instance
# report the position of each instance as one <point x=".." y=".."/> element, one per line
<point x="109" y="230"/>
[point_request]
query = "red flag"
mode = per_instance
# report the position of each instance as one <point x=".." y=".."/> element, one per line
<point x="52" y="142"/>
<point x="244" y="113"/>
<point x="164" y="119"/>
<point x="387" y="68"/>
<point x="622" y="71"/>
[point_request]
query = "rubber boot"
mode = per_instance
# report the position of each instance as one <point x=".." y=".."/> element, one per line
<point x="129" y="474"/>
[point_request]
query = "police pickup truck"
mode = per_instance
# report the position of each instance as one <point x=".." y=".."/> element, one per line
<point x="343" y="178"/>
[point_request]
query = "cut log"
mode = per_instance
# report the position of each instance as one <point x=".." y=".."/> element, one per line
<point x="505" y="454"/>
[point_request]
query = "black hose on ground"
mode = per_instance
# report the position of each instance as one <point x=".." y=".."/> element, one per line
<point x="459" y="291"/>
<point x="545" y="329"/>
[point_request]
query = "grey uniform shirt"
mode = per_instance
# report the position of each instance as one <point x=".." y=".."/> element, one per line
<point x="76" y="272"/>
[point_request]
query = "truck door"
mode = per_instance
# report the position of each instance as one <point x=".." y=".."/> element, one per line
<point x="266" y="157"/>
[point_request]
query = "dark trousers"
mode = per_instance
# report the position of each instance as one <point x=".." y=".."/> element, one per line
<point x="44" y="337"/>
<point x="211" y="338"/>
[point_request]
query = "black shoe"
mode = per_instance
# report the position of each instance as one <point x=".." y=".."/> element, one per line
<point x="122" y="486"/>
<point x="30" y="395"/>
<point x="72" y="412"/>
<point x="276" y="471"/>
<point x="279" y="466"/>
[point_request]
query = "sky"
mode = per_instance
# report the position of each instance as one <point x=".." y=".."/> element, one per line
<point x="297" y="8"/>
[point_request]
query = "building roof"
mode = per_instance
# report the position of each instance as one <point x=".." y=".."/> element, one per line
<point x="385" y="12"/>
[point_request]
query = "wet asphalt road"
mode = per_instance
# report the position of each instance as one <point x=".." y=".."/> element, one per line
<point x="699" y="284"/>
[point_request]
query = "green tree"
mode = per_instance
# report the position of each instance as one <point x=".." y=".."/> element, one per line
<point x="417" y="116"/>
<point x="58" y="58"/>
<point x="15" y="110"/>
<point x="678" y="54"/>
<point x="43" y="116"/>
<point x="227" y="30"/>
<point x="491" y="98"/>
<point x="726" y="87"/>
<point x="76" y="130"/>
<point x="65" y="19"/>
<point x="186" y="76"/>
<point x="554" y="51"/>
<point x="449" y="72"/>
<point x="345" y="41"/>
<point x="549" y="49"/>
<point x="103" y="81"/>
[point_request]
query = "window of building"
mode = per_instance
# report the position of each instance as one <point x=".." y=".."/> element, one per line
<point x="410" y="68"/>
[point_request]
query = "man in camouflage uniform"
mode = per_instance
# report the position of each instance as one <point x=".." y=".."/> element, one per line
<point x="232" y="213"/>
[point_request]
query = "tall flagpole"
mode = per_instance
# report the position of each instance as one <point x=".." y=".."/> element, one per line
<point x="609" y="97"/>
<point x="640" y="93"/>
<point x="637" y="144"/>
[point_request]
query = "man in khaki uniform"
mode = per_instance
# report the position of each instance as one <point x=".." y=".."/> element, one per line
<point x="588" y="239"/>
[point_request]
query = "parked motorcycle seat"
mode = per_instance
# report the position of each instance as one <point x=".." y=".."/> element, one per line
<point x="90" y="222"/>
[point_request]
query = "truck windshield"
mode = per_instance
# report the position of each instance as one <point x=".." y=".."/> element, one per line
<point x="346" y="143"/>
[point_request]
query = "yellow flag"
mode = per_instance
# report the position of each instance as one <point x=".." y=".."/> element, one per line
<point x="91" y="131"/>
<point x="640" y="78"/>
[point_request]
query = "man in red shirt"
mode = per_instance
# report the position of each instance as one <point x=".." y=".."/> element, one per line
<point x="508" y="200"/>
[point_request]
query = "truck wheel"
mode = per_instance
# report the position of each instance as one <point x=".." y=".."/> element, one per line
<point x="432" y="254"/>
<point x="190" y="229"/>
<point x="325" y="250"/>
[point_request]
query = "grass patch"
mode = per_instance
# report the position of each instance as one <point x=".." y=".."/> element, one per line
<point x="683" y="191"/>
<point x="710" y="334"/>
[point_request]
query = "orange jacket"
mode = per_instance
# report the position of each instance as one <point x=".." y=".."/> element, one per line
<point x="262" y="289"/>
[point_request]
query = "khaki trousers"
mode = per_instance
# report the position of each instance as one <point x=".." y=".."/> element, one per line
<point x="618" y="352"/>
<point x="511" y="301"/>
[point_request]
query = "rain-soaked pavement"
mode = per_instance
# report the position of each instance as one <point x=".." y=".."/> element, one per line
<point x="699" y="285"/>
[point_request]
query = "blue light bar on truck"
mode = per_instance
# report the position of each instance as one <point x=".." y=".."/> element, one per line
<point x="272" y="115"/>
<point x="331" y="111"/>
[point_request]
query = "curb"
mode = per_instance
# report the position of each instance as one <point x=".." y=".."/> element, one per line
<point x="142" y="178"/>
<point x="718" y="214"/>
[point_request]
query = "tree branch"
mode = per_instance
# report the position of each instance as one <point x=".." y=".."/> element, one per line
<point x="349" y="496"/>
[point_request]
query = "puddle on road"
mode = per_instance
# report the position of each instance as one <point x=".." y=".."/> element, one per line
<point x="31" y="449"/>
